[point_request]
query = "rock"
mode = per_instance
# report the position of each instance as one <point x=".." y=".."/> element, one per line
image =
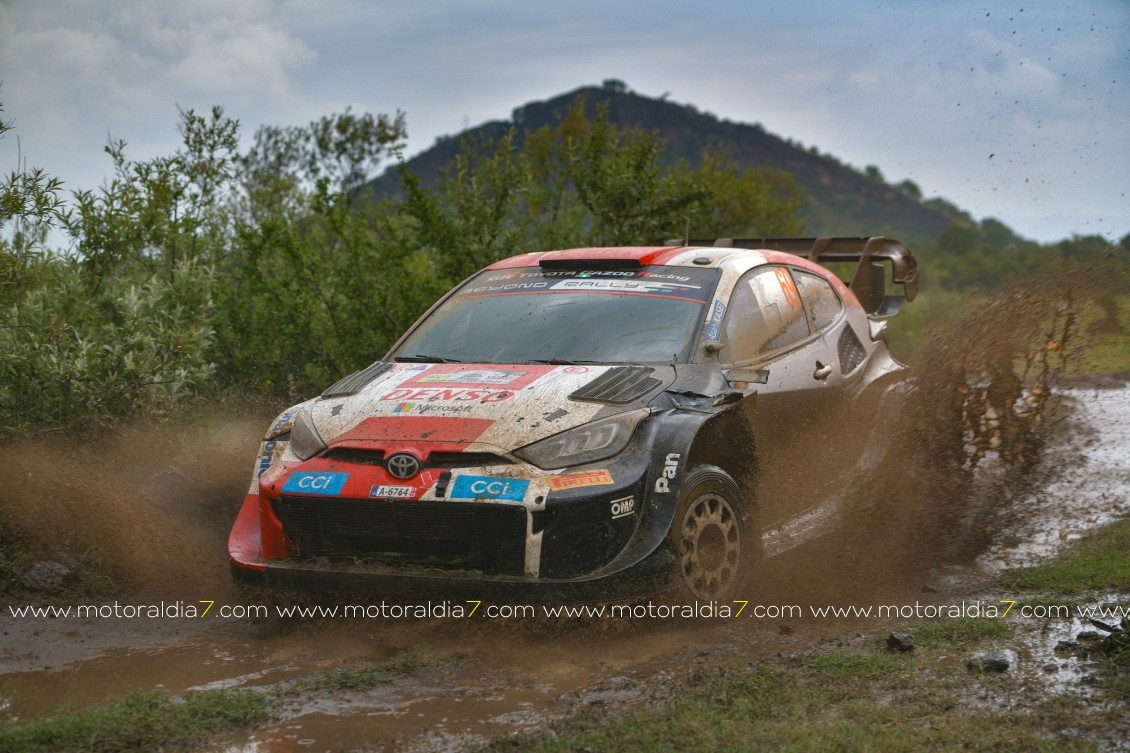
<point x="45" y="575"/>
<point x="1066" y="646"/>
<point x="900" y="642"/>
<point x="611" y="690"/>
<point x="991" y="661"/>
<point x="1089" y="635"/>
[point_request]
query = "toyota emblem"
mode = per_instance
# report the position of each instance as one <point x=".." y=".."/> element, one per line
<point x="402" y="465"/>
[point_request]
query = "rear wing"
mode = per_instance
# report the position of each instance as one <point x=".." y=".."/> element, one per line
<point x="868" y="281"/>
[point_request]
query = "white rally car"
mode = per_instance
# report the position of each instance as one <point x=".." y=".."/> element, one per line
<point x="568" y="420"/>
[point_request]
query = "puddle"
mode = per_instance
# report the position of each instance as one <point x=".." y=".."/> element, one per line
<point x="1092" y="488"/>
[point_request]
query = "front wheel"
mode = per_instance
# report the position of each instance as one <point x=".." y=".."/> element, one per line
<point x="714" y="536"/>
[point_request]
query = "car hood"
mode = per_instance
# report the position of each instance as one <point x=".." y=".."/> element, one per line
<point x="450" y="407"/>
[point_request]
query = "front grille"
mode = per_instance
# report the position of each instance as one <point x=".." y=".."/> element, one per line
<point x="486" y="537"/>
<point x="435" y="460"/>
<point x="358" y="457"/>
<point x="621" y="385"/>
<point x="464" y="459"/>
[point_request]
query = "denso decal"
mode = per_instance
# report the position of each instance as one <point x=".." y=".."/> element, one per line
<point x="489" y="487"/>
<point x="715" y="327"/>
<point x="578" y="480"/>
<point x="622" y="508"/>
<point x="306" y="482"/>
<point x="670" y="469"/>
<point x="457" y="394"/>
<point x="381" y="491"/>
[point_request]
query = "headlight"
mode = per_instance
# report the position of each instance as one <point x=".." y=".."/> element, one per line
<point x="305" y="442"/>
<point x="584" y="444"/>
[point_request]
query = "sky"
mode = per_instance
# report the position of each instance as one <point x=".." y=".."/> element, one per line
<point x="1017" y="110"/>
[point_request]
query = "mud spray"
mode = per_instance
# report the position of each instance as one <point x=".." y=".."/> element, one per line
<point x="151" y="507"/>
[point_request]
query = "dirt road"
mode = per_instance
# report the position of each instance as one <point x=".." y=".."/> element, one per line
<point x="475" y="676"/>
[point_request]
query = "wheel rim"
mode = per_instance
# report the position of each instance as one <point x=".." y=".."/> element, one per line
<point x="710" y="546"/>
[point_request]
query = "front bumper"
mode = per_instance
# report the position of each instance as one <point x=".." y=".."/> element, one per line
<point x="566" y="538"/>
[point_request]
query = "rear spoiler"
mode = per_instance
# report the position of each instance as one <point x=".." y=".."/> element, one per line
<point x="868" y="281"/>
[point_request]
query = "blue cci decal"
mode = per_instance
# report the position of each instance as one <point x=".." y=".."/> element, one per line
<point x="715" y="327"/>
<point x="305" y="482"/>
<point x="486" y="487"/>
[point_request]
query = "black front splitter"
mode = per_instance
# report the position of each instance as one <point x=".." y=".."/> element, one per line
<point x="652" y="576"/>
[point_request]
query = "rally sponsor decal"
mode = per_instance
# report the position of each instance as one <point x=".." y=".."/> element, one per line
<point x="267" y="456"/>
<point x="580" y="479"/>
<point x="655" y="281"/>
<point x="474" y="376"/>
<point x="715" y="327"/>
<point x="670" y="470"/>
<point x="308" y="482"/>
<point x="420" y="408"/>
<point x="788" y="287"/>
<point x="448" y="394"/>
<point x="489" y="487"/>
<point x="384" y="491"/>
<point x="459" y="376"/>
<point x="622" y="508"/>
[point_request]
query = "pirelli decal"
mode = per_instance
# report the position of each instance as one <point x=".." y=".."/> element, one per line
<point x="578" y="480"/>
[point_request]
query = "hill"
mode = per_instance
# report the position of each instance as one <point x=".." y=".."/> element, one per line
<point x="841" y="200"/>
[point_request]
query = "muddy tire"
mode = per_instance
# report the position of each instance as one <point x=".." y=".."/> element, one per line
<point x="713" y="537"/>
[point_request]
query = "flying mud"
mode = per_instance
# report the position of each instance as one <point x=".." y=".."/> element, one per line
<point x="149" y="510"/>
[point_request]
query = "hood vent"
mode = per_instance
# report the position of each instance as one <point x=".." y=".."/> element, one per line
<point x="619" y="386"/>
<point x="353" y="383"/>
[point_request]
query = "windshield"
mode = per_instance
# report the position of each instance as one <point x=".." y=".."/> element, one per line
<point x="566" y="316"/>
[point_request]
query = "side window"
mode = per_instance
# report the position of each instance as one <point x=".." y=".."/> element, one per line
<point x="765" y="315"/>
<point x="819" y="297"/>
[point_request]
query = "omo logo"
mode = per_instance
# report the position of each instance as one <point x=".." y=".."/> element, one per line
<point x="621" y="508"/>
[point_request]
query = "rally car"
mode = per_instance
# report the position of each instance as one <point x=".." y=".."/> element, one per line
<point x="570" y="419"/>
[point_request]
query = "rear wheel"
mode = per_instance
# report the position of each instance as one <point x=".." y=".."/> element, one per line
<point x="713" y="536"/>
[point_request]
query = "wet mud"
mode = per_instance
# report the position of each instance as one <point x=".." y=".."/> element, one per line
<point x="986" y="465"/>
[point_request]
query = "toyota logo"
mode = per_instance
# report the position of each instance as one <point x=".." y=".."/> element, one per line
<point x="402" y="465"/>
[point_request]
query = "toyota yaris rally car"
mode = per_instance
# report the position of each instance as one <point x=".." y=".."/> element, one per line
<point x="571" y="419"/>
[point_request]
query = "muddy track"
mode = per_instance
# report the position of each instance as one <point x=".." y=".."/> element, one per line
<point x="477" y="677"/>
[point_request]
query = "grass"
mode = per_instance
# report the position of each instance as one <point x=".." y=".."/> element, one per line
<point x="844" y="700"/>
<point x="1105" y="329"/>
<point x="359" y="678"/>
<point x="1099" y="562"/>
<point x="140" y="722"/>
<point x="151" y="721"/>
<point x="837" y="699"/>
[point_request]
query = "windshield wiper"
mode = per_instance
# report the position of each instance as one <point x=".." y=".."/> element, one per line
<point x="425" y="359"/>
<point x="564" y="362"/>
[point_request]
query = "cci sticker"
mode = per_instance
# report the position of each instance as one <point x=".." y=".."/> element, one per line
<point x="305" y="482"/>
<point x="487" y="487"/>
<point x="391" y="492"/>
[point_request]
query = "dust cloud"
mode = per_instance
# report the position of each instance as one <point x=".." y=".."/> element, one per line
<point x="149" y="507"/>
